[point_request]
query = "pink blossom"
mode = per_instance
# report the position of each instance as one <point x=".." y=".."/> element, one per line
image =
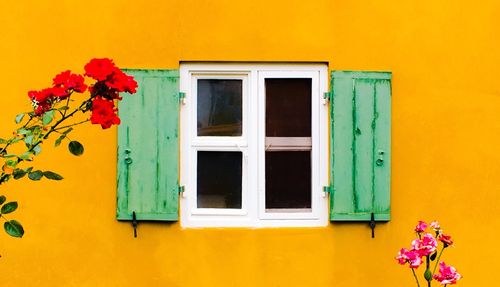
<point x="411" y="257"/>
<point x="435" y="225"/>
<point x="448" y="274"/>
<point x="421" y="226"/>
<point x="425" y="246"/>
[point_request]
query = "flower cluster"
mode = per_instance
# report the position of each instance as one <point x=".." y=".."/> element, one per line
<point x="447" y="274"/>
<point x="424" y="249"/>
<point x="110" y="81"/>
<point x="64" y="84"/>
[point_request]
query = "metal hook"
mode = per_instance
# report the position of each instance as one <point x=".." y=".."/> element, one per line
<point x="372" y="224"/>
<point x="134" y="224"/>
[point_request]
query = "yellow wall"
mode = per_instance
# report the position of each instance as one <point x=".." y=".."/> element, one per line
<point x="444" y="56"/>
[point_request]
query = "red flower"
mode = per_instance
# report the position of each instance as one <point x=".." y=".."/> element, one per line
<point x="42" y="100"/>
<point x="100" y="69"/>
<point x="446" y="239"/>
<point x="104" y="113"/>
<point x="70" y="81"/>
<point x="121" y="82"/>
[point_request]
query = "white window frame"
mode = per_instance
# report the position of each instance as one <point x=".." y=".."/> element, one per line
<point x="252" y="145"/>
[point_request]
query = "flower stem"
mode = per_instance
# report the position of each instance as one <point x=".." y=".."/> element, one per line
<point x="437" y="261"/>
<point x="67" y="126"/>
<point x="415" y="275"/>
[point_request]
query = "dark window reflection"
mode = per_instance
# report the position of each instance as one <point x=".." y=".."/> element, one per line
<point x="288" y="107"/>
<point x="219" y="179"/>
<point x="219" y="107"/>
<point x="288" y="179"/>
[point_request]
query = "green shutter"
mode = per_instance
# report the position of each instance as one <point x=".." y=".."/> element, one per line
<point x="360" y="155"/>
<point x="148" y="147"/>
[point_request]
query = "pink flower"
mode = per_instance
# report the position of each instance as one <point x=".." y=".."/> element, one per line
<point x="435" y="225"/>
<point x="411" y="257"/>
<point x="421" y="226"/>
<point x="446" y="239"/>
<point x="448" y="274"/>
<point x="425" y="246"/>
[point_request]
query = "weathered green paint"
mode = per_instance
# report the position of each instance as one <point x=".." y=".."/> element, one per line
<point x="148" y="147"/>
<point x="360" y="154"/>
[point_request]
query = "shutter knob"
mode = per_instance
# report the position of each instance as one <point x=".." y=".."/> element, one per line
<point x="128" y="159"/>
<point x="380" y="160"/>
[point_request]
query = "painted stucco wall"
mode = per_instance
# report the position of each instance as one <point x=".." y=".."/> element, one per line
<point x="444" y="56"/>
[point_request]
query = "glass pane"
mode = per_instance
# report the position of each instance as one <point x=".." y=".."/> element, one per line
<point x="288" y="107"/>
<point x="288" y="180"/>
<point x="219" y="179"/>
<point x="219" y="107"/>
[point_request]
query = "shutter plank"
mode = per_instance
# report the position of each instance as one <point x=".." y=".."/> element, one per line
<point x="382" y="173"/>
<point x="364" y="91"/>
<point x="342" y="120"/>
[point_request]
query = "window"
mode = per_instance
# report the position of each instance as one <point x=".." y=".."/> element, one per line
<point x="253" y="145"/>
<point x="251" y="149"/>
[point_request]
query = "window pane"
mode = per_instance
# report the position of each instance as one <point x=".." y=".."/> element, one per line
<point x="288" y="107"/>
<point x="219" y="107"/>
<point x="219" y="179"/>
<point x="288" y="179"/>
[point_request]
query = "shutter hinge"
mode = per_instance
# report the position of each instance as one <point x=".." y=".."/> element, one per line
<point x="327" y="189"/>
<point x="327" y="96"/>
<point x="181" y="189"/>
<point x="182" y="97"/>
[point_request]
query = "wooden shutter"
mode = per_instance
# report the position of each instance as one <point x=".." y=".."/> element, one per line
<point x="360" y="155"/>
<point x="148" y="147"/>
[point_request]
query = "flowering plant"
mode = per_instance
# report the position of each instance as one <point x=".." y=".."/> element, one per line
<point x="424" y="248"/>
<point x="54" y="111"/>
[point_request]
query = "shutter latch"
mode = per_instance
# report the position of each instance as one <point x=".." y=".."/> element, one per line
<point x="181" y="189"/>
<point x="134" y="223"/>
<point x="372" y="224"/>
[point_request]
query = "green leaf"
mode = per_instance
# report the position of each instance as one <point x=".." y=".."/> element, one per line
<point x="47" y="117"/>
<point x="67" y="131"/>
<point x="19" y="118"/>
<point x="25" y="156"/>
<point x="35" y="175"/>
<point x="8" y="207"/>
<point x="76" y="148"/>
<point x="11" y="163"/>
<point x="23" y="131"/>
<point x="13" y="228"/>
<point x="52" y="175"/>
<point x="428" y="275"/>
<point x="37" y="149"/>
<point x="18" y="173"/>
<point x="63" y="108"/>
<point x="59" y="140"/>
<point x="15" y="140"/>
<point x="28" y="139"/>
<point x="3" y="141"/>
<point x="2" y="199"/>
<point x="9" y="155"/>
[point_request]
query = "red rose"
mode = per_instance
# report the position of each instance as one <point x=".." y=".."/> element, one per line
<point x="70" y="81"/>
<point x="104" y="113"/>
<point x="100" y="69"/>
<point x="121" y="82"/>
